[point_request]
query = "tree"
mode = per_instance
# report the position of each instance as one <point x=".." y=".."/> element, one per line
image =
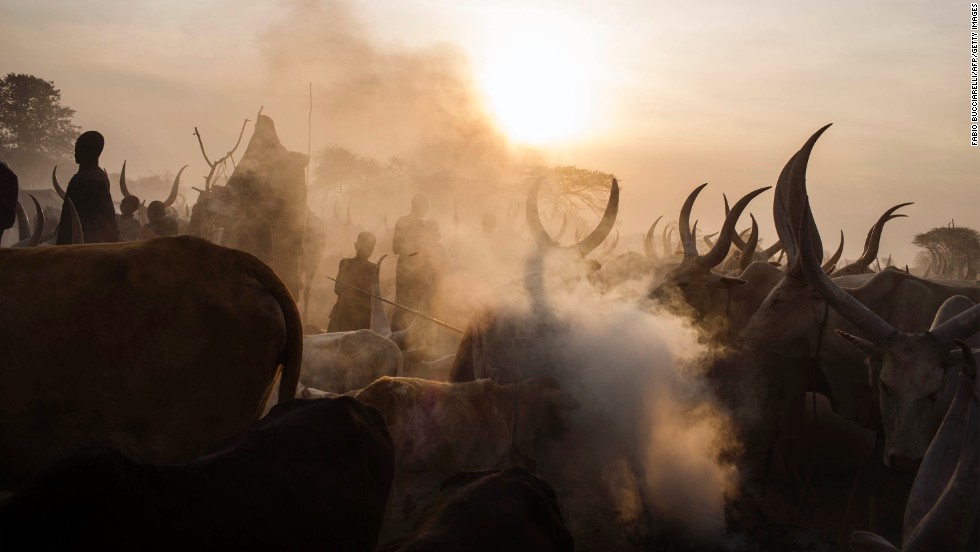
<point x="954" y="250"/>
<point x="35" y="129"/>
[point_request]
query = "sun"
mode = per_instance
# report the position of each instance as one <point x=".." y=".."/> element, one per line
<point x="539" y="84"/>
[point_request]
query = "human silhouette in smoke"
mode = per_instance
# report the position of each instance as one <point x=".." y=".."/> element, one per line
<point x="410" y="271"/>
<point x="89" y="192"/>
<point x="129" y="227"/>
<point x="352" y="311"/>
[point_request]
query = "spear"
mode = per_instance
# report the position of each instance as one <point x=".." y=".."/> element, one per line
<point x="413" y="311"/>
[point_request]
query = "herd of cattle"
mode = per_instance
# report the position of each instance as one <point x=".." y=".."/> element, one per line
<point x="162" y="394"/>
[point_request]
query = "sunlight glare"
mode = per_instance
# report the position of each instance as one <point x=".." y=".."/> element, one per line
<point x="539" y="84"/>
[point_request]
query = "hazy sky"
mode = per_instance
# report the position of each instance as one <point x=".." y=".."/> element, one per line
<point x="666" y="95"/>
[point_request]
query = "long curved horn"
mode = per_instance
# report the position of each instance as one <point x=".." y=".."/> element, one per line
<point x="54" y="182"/>
<point x="77" y="236"/>
<point x="694" y="235"/>
<point x="718" y="253"/>
<point x="23" y="225"/>
<point x="670" y="240"/>
<point x="591" y="241"/>
<point x="538" y="232"/>
<point x="749" y="250"/>
<point x="605" y="225"/>
<point x="122" y="181"/>
<point x="874" y="241"/>
<point x="773" y="249"/>
<point x="832" y="261"/>
<point x="787" y="207"/>
<point x="684" y="223"/>
<point x="872" y="325"/>
<point x="38" y="224"/>
<point x="942" y="504"/>
<point x="173" y="191"/>
<point x="961" y="326"/>
<point x="666" y="240"/>
<point x="648" y="248"/>
<point x="707" y="239"/>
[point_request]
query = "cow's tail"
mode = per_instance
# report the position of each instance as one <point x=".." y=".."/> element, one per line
<point x="292" y="354"/>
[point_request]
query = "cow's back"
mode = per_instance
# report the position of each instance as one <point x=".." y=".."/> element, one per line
<point x="159" y="348"/>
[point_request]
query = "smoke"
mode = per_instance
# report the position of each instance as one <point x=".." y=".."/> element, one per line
<point x="419" y="105"/>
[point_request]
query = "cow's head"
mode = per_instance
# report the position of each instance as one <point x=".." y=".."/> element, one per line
<point x="693" y="283"/>
<point x="915" y="372"/>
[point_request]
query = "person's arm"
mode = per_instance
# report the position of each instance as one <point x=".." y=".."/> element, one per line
<point x="398" y="238"/>
<point x="341" y="277"/>
<point x="64" y="225"/>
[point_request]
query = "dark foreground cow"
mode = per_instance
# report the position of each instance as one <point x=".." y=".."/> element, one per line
<point x="490" y="511"/>
<point x="313" y="475"/>
<point x="159" y="348"/>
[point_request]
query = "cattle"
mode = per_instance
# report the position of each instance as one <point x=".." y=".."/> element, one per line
<point x="345" y="361"/>
<point x="694" y="283"/>
<point x="452" y="427"/>
<point x="871" y="245"/>
<point x="796" y="323"/>
<point x="489" y="511"/>
<point x="313" y="475"/>
<point x="515" y="341"/>
<point x="159" y="348"/>
<point x="915" y="380"/>
<point x="942" y="508"/>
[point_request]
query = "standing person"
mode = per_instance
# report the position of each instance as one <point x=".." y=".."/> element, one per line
<point x="352" y="311"/>
<point x="89" y="192"/>
<point x="129" y="227"/>
<point x="410" y="271"/>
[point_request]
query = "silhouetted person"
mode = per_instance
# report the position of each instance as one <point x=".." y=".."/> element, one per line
<point x="352" y="311"/>
<point x="8" y="197"/>
<point x="129" y="227"/>
<point x="160" y="224"/>
<point x="89" y="192"/>
<point x="410" y="276"/>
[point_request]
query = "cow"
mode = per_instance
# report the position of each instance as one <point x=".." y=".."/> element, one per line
<point x="451" y="427"/>
<point x="796" y="323"/>
<point x="345" y="361"/>
<point x="487" y="511"/>
<point x="512" y="342"/>
<point x="159" y="348"/>
<point x="693" y="283"/>
<point x="916" y="382"/>
<point x="871" y="245"/>
<point x="313" y="475"/>
<point x="942" y="508"/>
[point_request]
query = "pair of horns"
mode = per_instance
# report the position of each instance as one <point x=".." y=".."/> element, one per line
<point x="872" y="242"/>
<point x="742" y="244"/>
<point x="717" y="254"/>
<point x="587" y="244"/>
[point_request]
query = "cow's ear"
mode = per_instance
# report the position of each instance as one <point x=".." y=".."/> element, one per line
<point x="562" y="400"/>
<point x="728" y="281"/>
<point x="865" y="346"/>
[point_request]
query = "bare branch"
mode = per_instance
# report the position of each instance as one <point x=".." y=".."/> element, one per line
<point x="201" y="143"/>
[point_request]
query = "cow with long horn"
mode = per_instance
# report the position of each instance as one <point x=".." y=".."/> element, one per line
<point x="941" y="511"/>
<point x="912" y="369"/>
<point x="693" y="282"/>
<point x="871" y="244"/>
<point x="513" y="342"/>
<point x="796" y="323"/>
<point x="168" y="202"/>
